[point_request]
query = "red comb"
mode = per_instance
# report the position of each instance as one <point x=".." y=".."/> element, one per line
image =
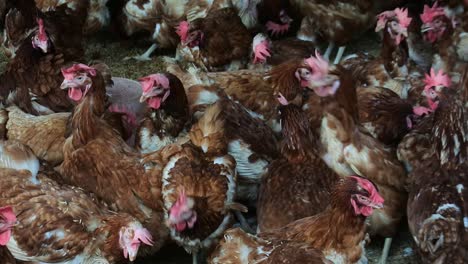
<point x="149" y="81"/>
<point x="402" y="15"/>
<point x="430" y="13"/>
<point x="318" y="65"/>
<point x="439" y="79"/>
<point x="182" y="30"/>
<point x="370" y="188"/>
<point x="69" y="72"/>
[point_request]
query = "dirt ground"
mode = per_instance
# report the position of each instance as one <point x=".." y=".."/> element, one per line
<point x="111" y="50"/>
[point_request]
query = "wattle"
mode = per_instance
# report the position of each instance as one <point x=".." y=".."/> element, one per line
<point x="5" y="237"/>
<point x="154" y="102"/>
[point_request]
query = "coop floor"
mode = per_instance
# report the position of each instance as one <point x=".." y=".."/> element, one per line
<point x="110" y="50"/>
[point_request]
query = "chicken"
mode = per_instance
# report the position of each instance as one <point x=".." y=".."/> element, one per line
<point x="207" y="42"/>
<point x="415" y="147"/>
<point x="245" y="137"/>
<point x="347" y="150"/>
<point x="63" y="23"/>
<point x="297" y="184"/>
<point x="98" y="16"/>
<point x="267" y="252"/>
<point x="276" y="16"/>
<point x="154" y="16"/>
<point x="57" y="223"/>
<point x="436" y="190"/>
<point x="449" y="41"/>
<point x="353" y="199"/>
<point x="161" y="17"/>
<point x="386" y="116"/>
<point x="393" y="64"/>
<point x="41" y="55"/>
<point x="94" y="11"/>
<point x="257" y="91"/>
<point x="167" y="118"/>
<point x="276" y="52"/>
<point x="337" y="21"/>
<point x="126" y="185"/>
<point x="147" y="185"/>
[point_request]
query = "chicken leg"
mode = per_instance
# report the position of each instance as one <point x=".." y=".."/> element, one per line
<point x="145" y="56"/>
<point x="243" y="222"/>
<point x="339" y="54"/>
<point x="327" y="53"/>
<point x="386" y="249"/>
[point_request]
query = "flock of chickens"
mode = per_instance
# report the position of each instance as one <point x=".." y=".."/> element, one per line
<point x="250" y="125"/>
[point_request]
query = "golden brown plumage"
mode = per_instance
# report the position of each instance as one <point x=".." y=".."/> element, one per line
<point x="438" y="180"/>
<point x="232" y="250"/>
<point x="384" y="114"/>
<point x="34" y="73"/>
<point x="210" y="45"/>
<point x="58" y="223"/>
<point x="45" y="135"/>
<point x="297" y="184"/>
<point x="337" y="21"/>
<point x="119" y="177"/>
<point x="245" y="137"/>
<point x="257" y="91"/>
<point x="169" y="121"/>
<point x="341" y="242"/>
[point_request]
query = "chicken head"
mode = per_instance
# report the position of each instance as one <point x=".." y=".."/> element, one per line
<point x="435" y="23"/>
<point x="77" y="80"/>
<point x="276" y="29"/>
<point x="189" y="34"/>
<point x="131" y="237"/>
<point x="365" y="197"/>
<point x="261" y="48"/>
<point x="7" y="221"/>
<point x="181" y="214"/>
<point x="395" y="22"/>
<point x="40" y="40"/>
<point x="319" y="80"/>
<point x="156" y="90"/>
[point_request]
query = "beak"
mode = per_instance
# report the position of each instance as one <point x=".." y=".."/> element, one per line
<point x="132" y="255"/>
<point x="376" y="205"/>
<point x="404" y="32"/>
<point x="43" y="45"/>
<point x="143" y="98"/>
<point x="66" y="84"/>
<point x="425" y="28"/>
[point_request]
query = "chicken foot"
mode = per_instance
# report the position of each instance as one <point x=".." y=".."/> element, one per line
<point x="386" y="249"/>
<point x="145" y="56"/>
